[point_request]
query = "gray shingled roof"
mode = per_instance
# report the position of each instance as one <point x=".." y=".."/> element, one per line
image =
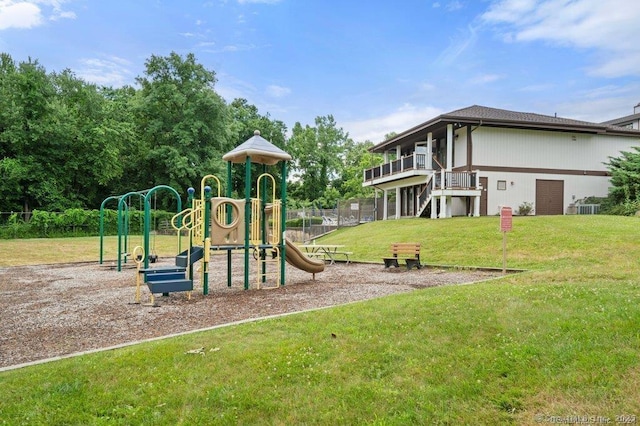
<point x="627" y="118"/>
<point x="259" y="149"/>
<point x="480" y="115"/>
<point x="476" y="112"/>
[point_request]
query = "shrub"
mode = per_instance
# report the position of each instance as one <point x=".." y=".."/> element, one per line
<point x="77" y="222"/>
<point x="525" y="208"/>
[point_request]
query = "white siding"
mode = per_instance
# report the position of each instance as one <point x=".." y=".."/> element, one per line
<point x="545" y="150"/>
<point x="549" y="152"/>
<point x="521" y="187"/>
<point x="460" y="148"/>
<point x="458" y="206"/>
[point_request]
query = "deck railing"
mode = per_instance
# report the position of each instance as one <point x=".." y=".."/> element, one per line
<point x="426" y="192"/>
<point x="456" y="180"/>
<point x="452" y="180"/>
<point x="588" y="208"/>
<point x="410" y="162"/>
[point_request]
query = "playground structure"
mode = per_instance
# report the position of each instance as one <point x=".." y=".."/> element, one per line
<point x="254" y="226"/>
<point x="124" y="209"/>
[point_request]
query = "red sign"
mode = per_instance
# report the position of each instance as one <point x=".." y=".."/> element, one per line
<point x="506" y="219"/>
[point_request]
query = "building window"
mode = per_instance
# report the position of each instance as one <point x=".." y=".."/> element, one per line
<point x="502" y="185"/>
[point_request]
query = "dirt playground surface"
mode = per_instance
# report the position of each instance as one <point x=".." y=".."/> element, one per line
<point x="55" y="310"/>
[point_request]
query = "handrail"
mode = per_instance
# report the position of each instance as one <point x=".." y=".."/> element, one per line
<point x="435" y="158"/>
<point x="426" y="192"/>
<point x="414" y="161"/>
<point x="456" y="180"/>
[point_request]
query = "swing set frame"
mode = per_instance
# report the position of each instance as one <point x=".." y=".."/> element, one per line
<point x="124" y="202"/>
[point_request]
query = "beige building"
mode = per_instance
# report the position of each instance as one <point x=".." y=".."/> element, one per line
<point x="475" y="160"/>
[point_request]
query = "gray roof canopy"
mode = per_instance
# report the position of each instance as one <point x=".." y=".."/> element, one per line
<point x="260" y="151"/>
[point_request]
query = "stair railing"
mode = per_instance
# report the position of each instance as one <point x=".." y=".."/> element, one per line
<point x="425" y="195"/>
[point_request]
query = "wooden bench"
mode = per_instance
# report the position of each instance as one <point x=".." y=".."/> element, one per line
<point x="410" y="252"/>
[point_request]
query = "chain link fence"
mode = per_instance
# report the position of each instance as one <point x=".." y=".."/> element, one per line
<point x="304" y="225"/>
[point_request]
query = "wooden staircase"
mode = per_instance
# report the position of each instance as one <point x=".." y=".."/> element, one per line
<point x="424" y="198"/>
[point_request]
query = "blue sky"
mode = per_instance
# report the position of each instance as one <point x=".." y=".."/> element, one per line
<point x="376" y="66"/>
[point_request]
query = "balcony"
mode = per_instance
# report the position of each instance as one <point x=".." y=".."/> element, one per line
<point x="411" y="165"/>
<point x="456" y="180"/>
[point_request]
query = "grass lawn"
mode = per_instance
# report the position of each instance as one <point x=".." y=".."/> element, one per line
<point x="81" y="249"/>
<point x="557" y="344"/>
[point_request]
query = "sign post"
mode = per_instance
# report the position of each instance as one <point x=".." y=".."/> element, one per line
<point x="506" y="225"/>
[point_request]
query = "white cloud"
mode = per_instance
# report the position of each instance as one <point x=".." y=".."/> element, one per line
<point x="230" y="87"/>
<point x="275" y="91"/>
<point x="31" y="13"/>
<point x="461" y="43"/>
<point x="453" y="6"/>
<point x="598" y="110"/>
<point x="107" y="71"/>
<point x="62" y="14"/>
<point x="486" y="78"/>
<point x="19" y="15"/>
<point x="610" y="29"/>
<point x="405" y="117"/>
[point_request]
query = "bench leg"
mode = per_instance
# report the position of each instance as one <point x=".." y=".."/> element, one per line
<point x="413" y="262"/>
<point x="390" y="262"/>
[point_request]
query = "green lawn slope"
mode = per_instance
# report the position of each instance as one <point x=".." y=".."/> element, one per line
<point x="559" y="343"/>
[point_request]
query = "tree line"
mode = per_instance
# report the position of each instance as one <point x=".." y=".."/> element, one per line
<point x="66" y="143"/>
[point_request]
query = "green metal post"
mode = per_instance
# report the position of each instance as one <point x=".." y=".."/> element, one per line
<point x="207" y="218"/>
<point x="119" y="237"/>
<point x="247" y="218"/>
<point x="228" y="195"/>
<point x="283" y="222"/>
<point x="126" y="229"/>
<point x="113" y="197"/>
<point x="123" y="226"/>
<point x="147" y="229"/>
<point x="147" y="215"/>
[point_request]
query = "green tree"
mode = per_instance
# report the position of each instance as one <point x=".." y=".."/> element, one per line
<point x="12" y="171"/>
<point x="356" y="159"/>
<point x="60" y="139"/>
<point x="318" y="154"/>
<point x="245" y="120"/>
<point x="119" y="126"/>
<point x="31" y="138"/>
<point x="94" y="132"/>
<point x="182" y="124"/>
<point x="625" y="177"/>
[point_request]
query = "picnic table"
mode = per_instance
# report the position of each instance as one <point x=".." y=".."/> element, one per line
<point x="326" y="251"/>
